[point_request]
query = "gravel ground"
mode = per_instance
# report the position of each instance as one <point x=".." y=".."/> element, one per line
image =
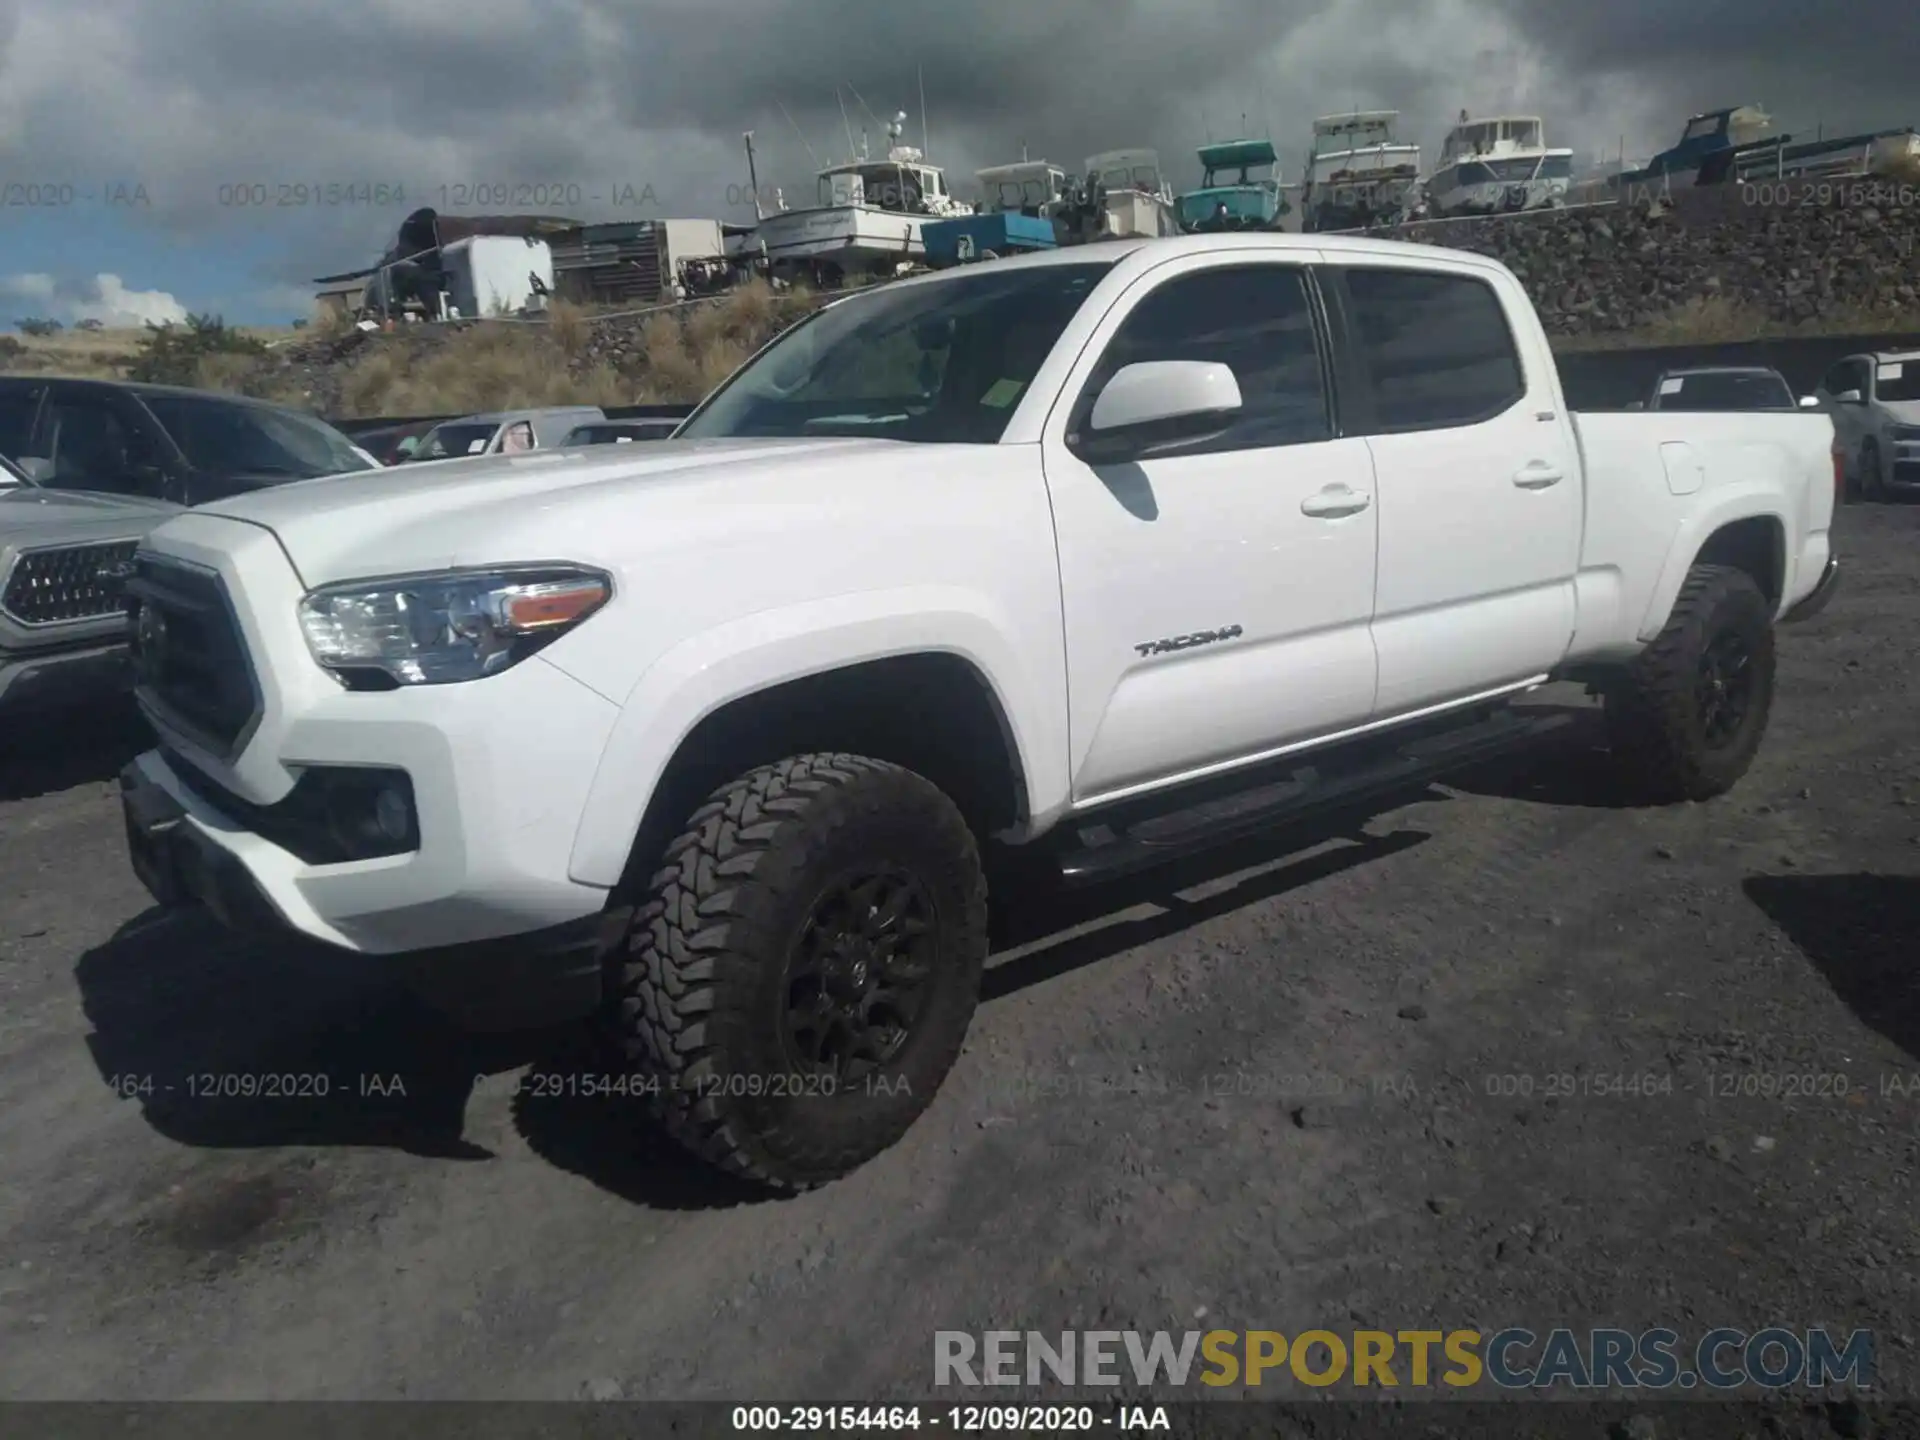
<point x="1279" y="1091"/>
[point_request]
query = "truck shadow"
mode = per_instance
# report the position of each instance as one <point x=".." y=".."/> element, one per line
<point x="227" y="1043"/>
<point x="1859" y="932"/>
<point x="1570" y="767"/>
<point x="48" y="752"/>
<point x="236" y="1044"/>
<point x="1040" y="932"/>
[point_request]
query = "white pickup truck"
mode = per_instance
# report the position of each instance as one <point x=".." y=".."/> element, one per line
<point x="1116" y="551"/>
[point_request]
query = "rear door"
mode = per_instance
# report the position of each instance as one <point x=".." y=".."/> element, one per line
<point x="1478" y="477"/>
<point x="1217" y="592"/>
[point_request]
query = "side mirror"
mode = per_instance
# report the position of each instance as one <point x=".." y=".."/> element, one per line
<point x="36" y="468"/>
<point x="1809" y="402"/>
<point x="1157" y="401"/>
<point x="1849" y="397"/>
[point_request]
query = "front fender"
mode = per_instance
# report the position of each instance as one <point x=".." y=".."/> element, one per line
<point x="708" y="671"/>
<point x="1745" y="500"/>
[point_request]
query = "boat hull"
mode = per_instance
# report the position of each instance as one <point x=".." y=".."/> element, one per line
<point x="849" y="237"/>
<point x="1496" y="197"/>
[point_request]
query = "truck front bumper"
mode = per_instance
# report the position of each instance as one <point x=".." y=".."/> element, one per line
<point x="50" y="680"/>
<point x="536" y="978"/>
<point x="1816" y="600"/>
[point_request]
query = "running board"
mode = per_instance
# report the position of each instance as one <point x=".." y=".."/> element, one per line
<point x="1310" y="792"/>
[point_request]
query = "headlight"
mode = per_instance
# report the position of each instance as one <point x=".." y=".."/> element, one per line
<point x="455" y="625"/>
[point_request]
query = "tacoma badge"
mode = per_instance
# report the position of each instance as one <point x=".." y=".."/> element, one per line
<point x="1187" y="642"/>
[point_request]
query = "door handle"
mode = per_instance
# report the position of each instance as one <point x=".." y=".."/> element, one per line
<point x="1334" y="502"/>
<point x="1539" y="475"/>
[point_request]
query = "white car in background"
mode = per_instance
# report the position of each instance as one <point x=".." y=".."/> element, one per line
<point x="1875" y="404"/>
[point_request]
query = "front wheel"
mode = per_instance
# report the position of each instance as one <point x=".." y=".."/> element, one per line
<point x="1687" y="718"/>
<point x="800" y="978"/>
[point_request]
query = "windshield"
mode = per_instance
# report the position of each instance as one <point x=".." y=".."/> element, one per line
<point x="226" y="439"/>
<point x="1897" y="381"/>
<point x="1726" y="391"/>
<point x="943" y="362"/>
<point x="457" y="438"/>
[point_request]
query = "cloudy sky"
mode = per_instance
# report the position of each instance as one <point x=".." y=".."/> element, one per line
<point x="140" y="138"/>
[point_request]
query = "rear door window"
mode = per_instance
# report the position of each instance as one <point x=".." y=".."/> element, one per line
<point x="1436" y="348"/>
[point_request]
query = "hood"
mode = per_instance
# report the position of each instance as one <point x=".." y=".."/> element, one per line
<point x="29" y="511"/>
<point x="434" y="514"/>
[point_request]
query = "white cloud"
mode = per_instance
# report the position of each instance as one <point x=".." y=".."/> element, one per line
<point x="113" y="305"/>
<point x="107" y="300"/>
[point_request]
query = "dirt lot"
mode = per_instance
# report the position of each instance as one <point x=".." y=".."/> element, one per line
<point x="1276" y="1091"/>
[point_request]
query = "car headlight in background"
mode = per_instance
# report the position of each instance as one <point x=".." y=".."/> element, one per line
<point x="442" y="628"/>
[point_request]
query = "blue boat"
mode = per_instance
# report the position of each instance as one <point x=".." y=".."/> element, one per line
<point x="1708" y="142"/>
<point x="1019" y="205"/>
<point x="1238" y="191"/>
<point x="985" y="237"/>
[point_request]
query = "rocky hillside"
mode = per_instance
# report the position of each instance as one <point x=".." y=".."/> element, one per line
<point x="1724" y="264"/>
<point x="1703" y="267"/>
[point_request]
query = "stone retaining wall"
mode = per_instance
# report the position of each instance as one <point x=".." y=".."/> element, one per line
<point x="1785" y="252"/>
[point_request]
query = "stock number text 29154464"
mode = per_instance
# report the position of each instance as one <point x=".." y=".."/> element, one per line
<point x="956" y="1419"/>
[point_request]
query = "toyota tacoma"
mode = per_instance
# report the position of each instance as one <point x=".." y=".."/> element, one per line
<point x="1106" y="553"/>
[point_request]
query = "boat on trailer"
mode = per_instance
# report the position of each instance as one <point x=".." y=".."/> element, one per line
<point x="1239" y="189"/>
<point x="1132" y="194"/>
<point x="1020" y="209"/>
<point x="869" y="219"/>
<point x="1497" y="164"/>
<point x="1357" y="173"/>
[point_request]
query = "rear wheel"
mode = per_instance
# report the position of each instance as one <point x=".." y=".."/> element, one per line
<point x="798" y="983"/>
<point x="1687" y="718"/>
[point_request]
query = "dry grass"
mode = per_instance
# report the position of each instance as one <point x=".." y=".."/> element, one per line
<point x="97" y="354"/>
<point x="1724" y="321"/>
<point x="672" y="356"/>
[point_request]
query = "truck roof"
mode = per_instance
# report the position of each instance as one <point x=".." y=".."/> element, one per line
<point x="1717" y="370"/>
<point x="1172" y="246"/>
<point x="530" y="412"/>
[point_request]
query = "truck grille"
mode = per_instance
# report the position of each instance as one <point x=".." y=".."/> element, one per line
<point x="67" y="582"/>
<point x="190" y="662"/>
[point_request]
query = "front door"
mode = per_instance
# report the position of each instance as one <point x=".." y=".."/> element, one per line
<point x="1218" y="592"/>
<point x="1479" y="484"/>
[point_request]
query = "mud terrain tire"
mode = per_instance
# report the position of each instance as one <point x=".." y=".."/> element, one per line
<point x="800" y="976"/>
<point x="1687" y="718"/>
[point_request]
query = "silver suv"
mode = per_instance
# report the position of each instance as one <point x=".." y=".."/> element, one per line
<point x="1875" y="404"/>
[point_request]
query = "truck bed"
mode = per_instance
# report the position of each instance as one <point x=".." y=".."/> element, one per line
<point x="1645" y="519"/>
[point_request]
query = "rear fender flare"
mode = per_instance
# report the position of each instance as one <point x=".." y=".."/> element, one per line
<point x="1726" y="505"/>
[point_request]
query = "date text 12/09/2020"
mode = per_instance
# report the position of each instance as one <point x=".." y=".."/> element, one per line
<point x="958" y="1419"/>
<point x="306" y="195"/>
